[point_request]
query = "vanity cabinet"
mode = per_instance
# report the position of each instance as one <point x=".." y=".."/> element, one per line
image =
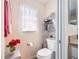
<point x="73" y="48"/>
<point x="74" y="51"/>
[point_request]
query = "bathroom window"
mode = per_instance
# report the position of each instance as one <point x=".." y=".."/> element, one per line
<point x="28" y="19"/>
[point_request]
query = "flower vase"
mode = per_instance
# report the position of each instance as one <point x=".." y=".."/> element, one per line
<point x="12" y="50"/>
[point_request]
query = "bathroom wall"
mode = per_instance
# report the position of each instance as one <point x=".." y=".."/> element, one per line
<point x="50" y="7"/>
<point x="69" y="30"/>
<point x="34" y="37"/>
<point x="73" y="29"/>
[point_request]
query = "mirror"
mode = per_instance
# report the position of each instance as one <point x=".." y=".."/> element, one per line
<point x="72" y="12"/>
<point x="27" y="20"/>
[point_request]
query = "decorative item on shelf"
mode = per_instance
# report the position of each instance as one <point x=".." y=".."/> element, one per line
<point x="12" y="44"/>
<point x="49" y="22"/>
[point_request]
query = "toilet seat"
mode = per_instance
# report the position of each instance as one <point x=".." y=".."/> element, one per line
<point x="44" y="52"/>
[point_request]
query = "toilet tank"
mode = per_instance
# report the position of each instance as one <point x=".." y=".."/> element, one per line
<point x="51" y="44"/>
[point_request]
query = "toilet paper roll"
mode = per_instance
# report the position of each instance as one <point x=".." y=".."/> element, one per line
<point x="30" y="44"/>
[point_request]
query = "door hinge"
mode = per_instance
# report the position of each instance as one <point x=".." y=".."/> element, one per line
<point x="59" y="41"/>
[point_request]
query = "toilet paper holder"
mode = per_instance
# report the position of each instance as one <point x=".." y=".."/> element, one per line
<point x="30" y="44"/>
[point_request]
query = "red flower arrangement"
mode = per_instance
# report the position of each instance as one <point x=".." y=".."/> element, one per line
<point x="12" y="44"/>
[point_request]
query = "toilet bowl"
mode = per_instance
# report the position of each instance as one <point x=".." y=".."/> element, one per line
<point x="46" y="53"/>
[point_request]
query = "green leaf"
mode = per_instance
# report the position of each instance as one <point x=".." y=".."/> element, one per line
<point x="7" y="45"/>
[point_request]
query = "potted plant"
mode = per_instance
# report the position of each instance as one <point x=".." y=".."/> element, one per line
<point x="12" y="44"/>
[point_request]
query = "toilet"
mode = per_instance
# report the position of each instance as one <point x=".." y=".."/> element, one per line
<point x="46" y="53"/>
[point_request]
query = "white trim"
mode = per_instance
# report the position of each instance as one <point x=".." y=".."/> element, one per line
<point x="60" y="30"/>
<point x="2" y="30"/>
<point x="63" y="30"/>
<point x="57" y="31"/>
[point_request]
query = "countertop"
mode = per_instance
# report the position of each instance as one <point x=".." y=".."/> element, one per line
<point x="72" y="46"/>
<point x="74" y="42"/>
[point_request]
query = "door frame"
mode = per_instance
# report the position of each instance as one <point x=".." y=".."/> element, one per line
<point x="61" y="29"/>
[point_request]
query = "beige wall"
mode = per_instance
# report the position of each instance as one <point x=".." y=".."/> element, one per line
<point x="69" y="29"/>
<point x="34" y="37"/>
<point x="51" y="7"/>
<point x="73" y="29"/>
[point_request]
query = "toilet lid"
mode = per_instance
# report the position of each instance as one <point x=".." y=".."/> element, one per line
<point x="44" y="52"/>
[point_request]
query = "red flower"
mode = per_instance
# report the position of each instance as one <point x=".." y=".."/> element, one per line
<point x="11" y="44"/>
<point x="18" y="41"/>
<point x="14" y="42"/>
